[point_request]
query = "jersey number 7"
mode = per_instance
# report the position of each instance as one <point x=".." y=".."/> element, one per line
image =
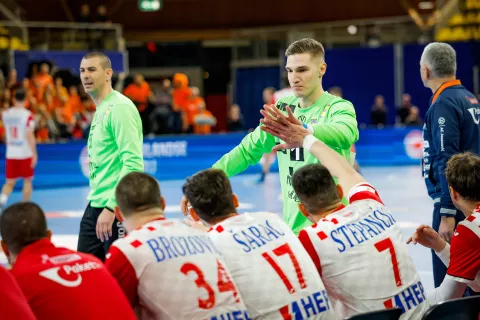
<point x="224" y="284"/>
<point x="387" y="244"/>
<point x="280" y="251"/>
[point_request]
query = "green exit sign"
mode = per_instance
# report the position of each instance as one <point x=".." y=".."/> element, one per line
<point x="150" y="5"/>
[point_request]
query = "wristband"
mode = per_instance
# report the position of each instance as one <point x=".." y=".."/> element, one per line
<point x="308" y="141"/>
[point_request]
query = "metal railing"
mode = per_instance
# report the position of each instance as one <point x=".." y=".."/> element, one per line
<point x="68" y="35"/>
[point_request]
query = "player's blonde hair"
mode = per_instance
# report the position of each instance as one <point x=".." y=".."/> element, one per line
<point x="306" y="45"/>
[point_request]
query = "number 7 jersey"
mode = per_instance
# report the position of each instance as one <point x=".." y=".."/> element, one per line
<point x="273" y="272"/>
<point x="363" y="259"/>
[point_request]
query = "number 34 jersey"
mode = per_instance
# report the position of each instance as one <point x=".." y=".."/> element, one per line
<point x="172" y="271"/>
<point x="363" y="259"/>
<point x="275" y="276"/>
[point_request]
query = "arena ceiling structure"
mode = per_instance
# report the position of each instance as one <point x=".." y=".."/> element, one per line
<point x="221" y="14"/>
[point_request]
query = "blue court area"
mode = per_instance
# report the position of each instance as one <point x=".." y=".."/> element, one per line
<point x="401" y="188"/>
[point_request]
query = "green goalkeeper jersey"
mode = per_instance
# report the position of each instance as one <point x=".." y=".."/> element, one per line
<point x="115" y="147"/>
<point x="333" y="121"/>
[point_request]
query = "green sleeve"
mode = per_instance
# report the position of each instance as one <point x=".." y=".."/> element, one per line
<point x="126" y="129"/>
<point x="340" y="130"/>
<point x="247" y="153"/>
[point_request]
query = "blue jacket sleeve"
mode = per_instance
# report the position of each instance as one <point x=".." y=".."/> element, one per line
<point x="445" y="128"/>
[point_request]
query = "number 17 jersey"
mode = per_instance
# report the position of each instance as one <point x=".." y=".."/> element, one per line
<point x="274" y="274"/>
<point x="363" y="259"/>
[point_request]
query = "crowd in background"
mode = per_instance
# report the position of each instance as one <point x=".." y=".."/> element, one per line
<point x="63" y="111"/>
<point x="406" y="114"/>
<point x="60" y="111"/>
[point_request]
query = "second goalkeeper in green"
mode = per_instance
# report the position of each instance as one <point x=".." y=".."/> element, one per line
<point x="329" y="118"/>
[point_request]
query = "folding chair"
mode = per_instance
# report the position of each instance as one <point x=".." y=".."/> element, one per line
<point x="388" y="314"/>
<point x="458" y="309"/>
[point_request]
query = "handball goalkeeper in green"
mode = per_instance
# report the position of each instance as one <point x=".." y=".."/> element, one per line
<point x="329" y="118"/>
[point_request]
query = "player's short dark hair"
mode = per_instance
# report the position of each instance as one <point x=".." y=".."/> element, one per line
<point x="210" y="194"/>
<point x="307" y="45"/>
<point x="463" y="175"/>
<point x="20" y="94"/>
<point x="22" y="224"/>
<point x="315" y="187"/>
<point x="104" y="59"/>
<point x="138" y="191"/>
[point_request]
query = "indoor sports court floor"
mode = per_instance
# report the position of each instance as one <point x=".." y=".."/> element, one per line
<point x="401" y="188"/>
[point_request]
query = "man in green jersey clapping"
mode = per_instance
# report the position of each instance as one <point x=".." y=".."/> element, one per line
<point x="329" y="118"/>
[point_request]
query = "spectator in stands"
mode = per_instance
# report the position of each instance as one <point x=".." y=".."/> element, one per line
<point x="102" y="16"/>
<point x="413" y="118"/>
<point x="235" y="119"/>
<point x="42" y="80"/>
<point x="12" y="79"/>
<point x="162" y="108"/>
<point x="61" y="124"/>
<point x="74" y="100"/>
<point x="89" y="113"/>
<point x="403" y="111"/>
<point x="140" y="94"/>
<point x="181" y="95"/>
<point x="379" y="112"/>
<point x="59" y="88"/>
<point x="85" y="15"/>
<point x="192" y="108"/>
<point x="49" y="101"/>
<point x="58" y="283"/>
<point x="204" y="120"/>
<point x="6" y="99"/>
<point x="42" y="132"/>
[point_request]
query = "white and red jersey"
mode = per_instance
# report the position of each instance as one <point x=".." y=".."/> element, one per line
<point x="172" y="271"/>
<point x="363" y="258"/>
<point x="275" y="276"/>
<point x="285" y="92"/>
<point x="464" y="263"/>
<point x="17" y="121"/>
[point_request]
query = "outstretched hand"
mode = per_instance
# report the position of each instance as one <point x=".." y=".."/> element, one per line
<point x="427" y="237"/>
<point x="287" y="128"/>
